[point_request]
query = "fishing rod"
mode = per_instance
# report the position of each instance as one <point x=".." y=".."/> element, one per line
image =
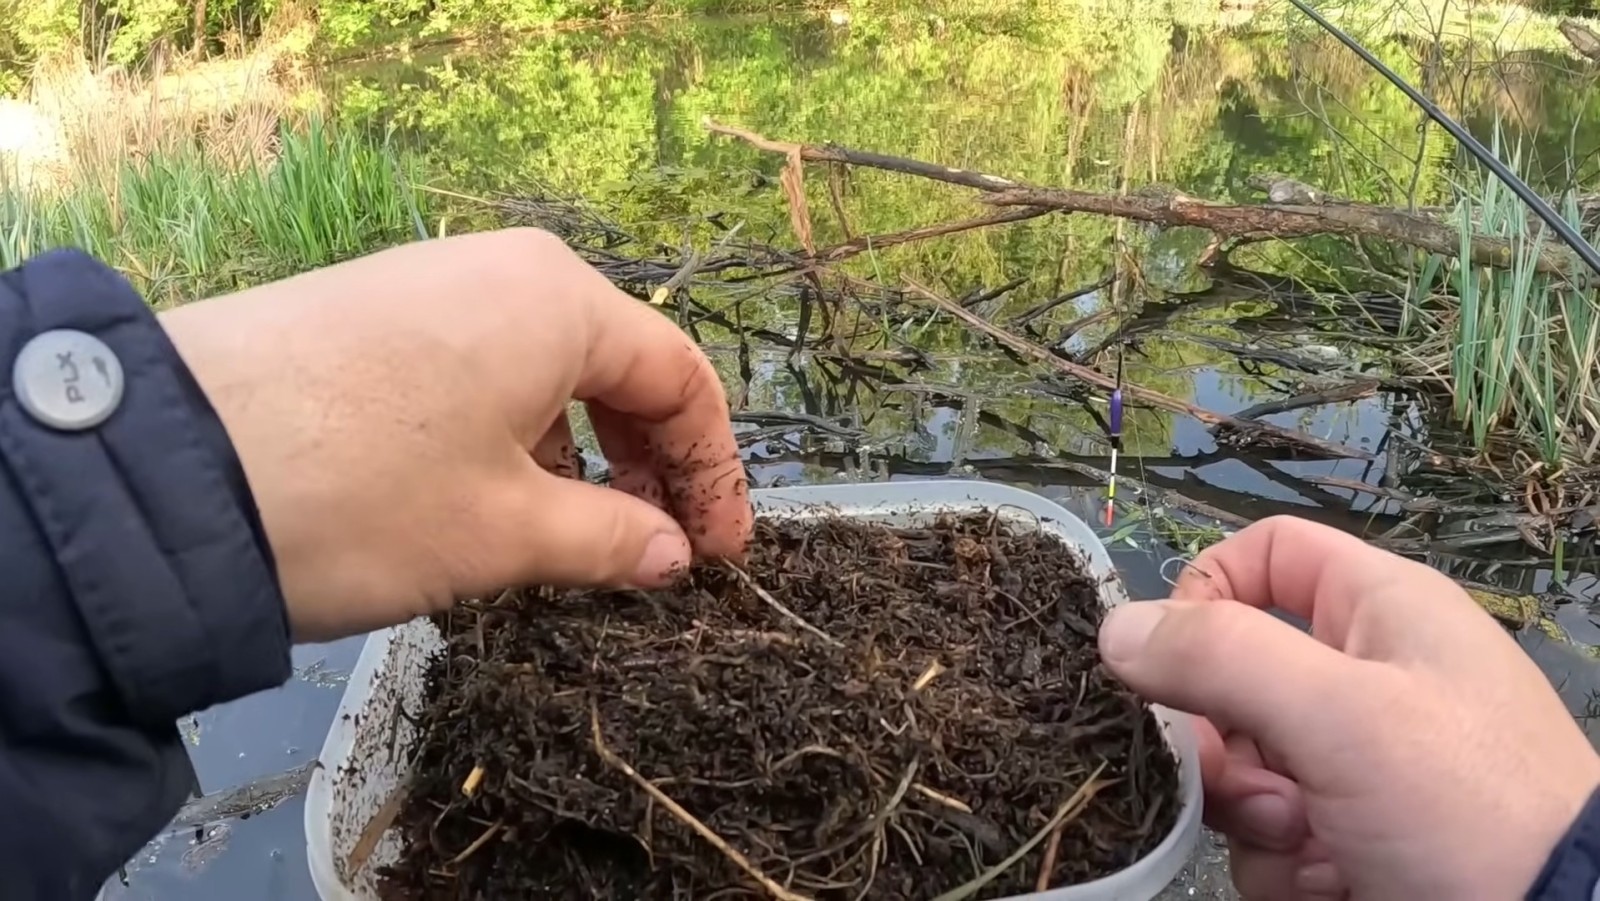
<point x="1584" y="250"/>
<point x="1569" y="235"/>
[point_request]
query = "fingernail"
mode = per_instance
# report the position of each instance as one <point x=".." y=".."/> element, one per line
<point x="1267" y="818"/>
<point x="1127" y="628"/>
<point x="1319" y="880"/>
<point x="664" y="558"/>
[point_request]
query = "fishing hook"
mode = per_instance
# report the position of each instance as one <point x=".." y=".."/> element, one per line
<point x="1165" y="564"/>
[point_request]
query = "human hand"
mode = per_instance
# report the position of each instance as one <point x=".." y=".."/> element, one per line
<point x="1406" y="748"/>
<point x="402" y="421"/>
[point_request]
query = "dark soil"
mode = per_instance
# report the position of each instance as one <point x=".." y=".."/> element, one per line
<point x="840" y="766"/>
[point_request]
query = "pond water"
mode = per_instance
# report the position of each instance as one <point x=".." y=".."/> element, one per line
<point x="1105" y="103"/>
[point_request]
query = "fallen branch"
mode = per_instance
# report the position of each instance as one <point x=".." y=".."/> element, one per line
<point x="691" y="265"/>
<point x="1169" y="207"/>
<point x="1259" y="222"/>
<point x="832" y="153"/>
<point x="855" y="246"/>
<point x="1258" y="430"/>
<point x="1057" y="301"/>
<point x="979" y="296"/>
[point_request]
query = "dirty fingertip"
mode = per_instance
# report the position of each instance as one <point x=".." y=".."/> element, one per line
<point x="665" y="559"/>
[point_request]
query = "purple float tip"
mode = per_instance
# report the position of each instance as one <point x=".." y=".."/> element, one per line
<point x="1116" y="412"/>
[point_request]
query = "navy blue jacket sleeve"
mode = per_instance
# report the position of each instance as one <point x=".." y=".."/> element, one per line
<point x="136" y="585"/>
<point x="1573" y="871"/>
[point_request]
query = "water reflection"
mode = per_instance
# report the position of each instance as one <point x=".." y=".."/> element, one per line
<point x="616" y="116"/>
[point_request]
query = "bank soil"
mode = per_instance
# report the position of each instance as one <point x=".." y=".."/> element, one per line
<point x="859" y="712"/>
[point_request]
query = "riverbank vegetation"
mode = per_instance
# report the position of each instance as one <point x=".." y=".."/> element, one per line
<point x="188" y="220"/>
<point x="165" y="33"/>
<point x="1335" y="295"/>
<point x="160" y="34"/>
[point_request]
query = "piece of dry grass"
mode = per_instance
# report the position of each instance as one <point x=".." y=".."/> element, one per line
<point x="91" y="122"/>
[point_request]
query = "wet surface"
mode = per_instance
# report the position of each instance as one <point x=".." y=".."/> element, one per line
<point x="618" y="118"/>
<point x="261" y="858"/>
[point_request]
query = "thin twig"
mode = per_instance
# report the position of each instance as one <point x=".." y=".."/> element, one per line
<point x="865" y="243"/>
<point x="367" y="842"/>
<point x="941" y="798"/>
<point x="1057" y="301"/>
<point x="691" y="265"/>
<point x="928" y="675"/>
<point x="250" y="799"/>
<point x="1065" y="814"/>
<point x="1048" y="866"/>
<point x="683" y="816"/>
<point x="788" y="614"/>
<point x="477" y="843"/>
<point x="1356" y="389"/>
<point x="873" y="826"/>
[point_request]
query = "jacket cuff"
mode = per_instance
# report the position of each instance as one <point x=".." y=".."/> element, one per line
<point x="1573" y="868"/>
<point x="148" y="512"/>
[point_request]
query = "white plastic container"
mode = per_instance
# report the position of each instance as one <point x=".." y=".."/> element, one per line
<point x="342" y="800"/>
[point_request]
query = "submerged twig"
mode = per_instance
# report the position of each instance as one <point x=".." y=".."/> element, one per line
<point x="1358" y="389"/>
<point x="1136" y="392"/>
<point x="243" y="800"/>
<point x="1043" y="308"/>
<point x="865" y="243"/>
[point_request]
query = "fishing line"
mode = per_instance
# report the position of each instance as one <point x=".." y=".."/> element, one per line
<point x="1568" y="234"/>
<point x="1564" y="229"/>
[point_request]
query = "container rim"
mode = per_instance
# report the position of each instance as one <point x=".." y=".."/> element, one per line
<point x="1139" y="881"/>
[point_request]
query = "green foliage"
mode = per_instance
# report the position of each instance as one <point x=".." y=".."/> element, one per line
<point x="29" y="29"/>
<point x="1095" y="96"/>
<point x="1044" y="97"/>
<point x="140" y="23"/>
<point x="1107" y="35"/>
<point x="355" y="23"/>
<point x="182" y="227"/>
<point x="127" y="31"/>
<point x="1523" y="345"/>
